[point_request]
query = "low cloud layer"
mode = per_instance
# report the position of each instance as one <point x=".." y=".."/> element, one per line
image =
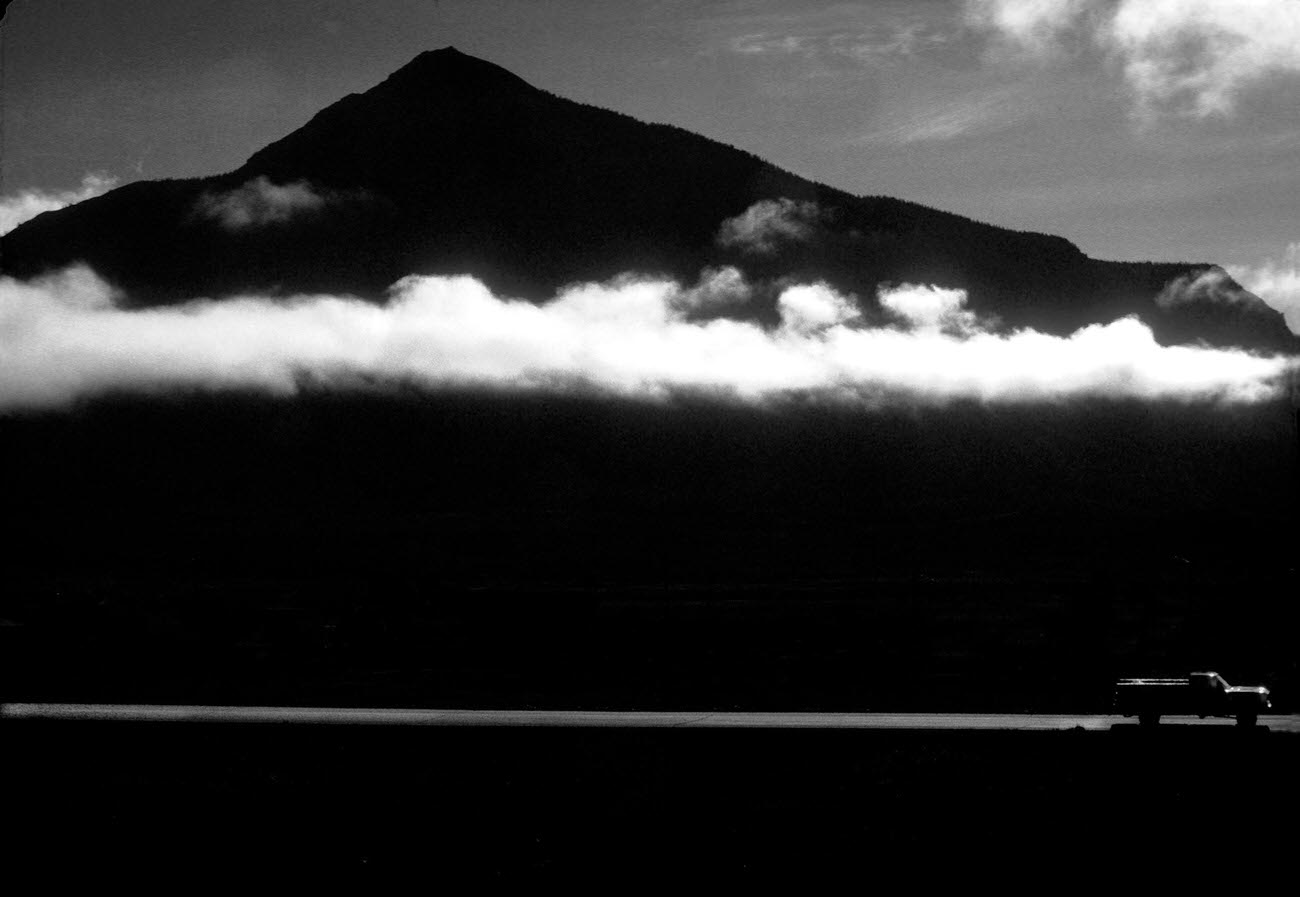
<point x="64" y="338"/>
<point x="766" y="225"/>
<point x="1183" y="57"/>
<point x="27" y="204"/>
<point x="259" y="203"/>
<point x="1277" y="283"/>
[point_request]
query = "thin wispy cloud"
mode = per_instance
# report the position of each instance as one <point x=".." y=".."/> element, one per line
<point x="880" y="43"/>
<point x="905" y="40"/>
<point x="65" y="337"/>
<point x="762" y="43"/>
<point x="941" y="120"/>
<point x="27" y="204"/>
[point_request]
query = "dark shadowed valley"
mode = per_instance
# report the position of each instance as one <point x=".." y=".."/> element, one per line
<point x="493" y="551"/>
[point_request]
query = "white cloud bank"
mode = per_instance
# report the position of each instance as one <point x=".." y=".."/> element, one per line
<point x="259" y="203"/>
<point x="27" y="204"/>
<point x="1186" y="57"/>
<point x="63" y="338"/>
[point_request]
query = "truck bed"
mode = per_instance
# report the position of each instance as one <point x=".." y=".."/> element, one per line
<point x="1162" y="696"/>
<point x="1129" y="683"/>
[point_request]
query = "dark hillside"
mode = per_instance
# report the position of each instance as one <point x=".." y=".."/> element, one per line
<point x="490" y="551"/>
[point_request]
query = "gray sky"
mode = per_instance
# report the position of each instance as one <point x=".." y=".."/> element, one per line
<point x="1139" y="129"/>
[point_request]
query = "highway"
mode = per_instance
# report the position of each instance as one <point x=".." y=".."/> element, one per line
<point x="354" y="716"/>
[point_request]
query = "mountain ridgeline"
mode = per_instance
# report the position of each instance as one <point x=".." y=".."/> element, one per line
<point x="453" y="165"/>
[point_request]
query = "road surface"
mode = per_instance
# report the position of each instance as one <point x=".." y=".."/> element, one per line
<point x="598" y="718"/>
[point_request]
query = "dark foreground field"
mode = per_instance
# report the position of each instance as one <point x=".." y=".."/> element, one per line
<point x="904" y="646"/>
<point x="482" y="804"/>
<point x="406" y="549"/>
<point x="483" y="552"/>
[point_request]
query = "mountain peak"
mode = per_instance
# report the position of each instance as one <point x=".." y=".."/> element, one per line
<point x="366" y="140"/>
<point x="449" y="67"/>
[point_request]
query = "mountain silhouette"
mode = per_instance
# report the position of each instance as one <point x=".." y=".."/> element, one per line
<point x="453" y="165"/>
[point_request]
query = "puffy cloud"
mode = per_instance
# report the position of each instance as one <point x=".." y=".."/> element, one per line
<point x="719" y="290"/>
<point x="1277" y="283"/>
<point x="809" y="308"/>
<point x="1187" y="57"/>
<point x="63" y="338"/>
<point x="27" y="204"/>
<point x="1030" y="27"/>
<point x="766" y="224"/>
<point x="259" y="203"/>
<point x="932" y="308"/>
<point x="1196" y="56"/>
<point x="1211" y="285"/>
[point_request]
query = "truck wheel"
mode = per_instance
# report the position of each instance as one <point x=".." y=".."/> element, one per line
<point x="1246" y="719"/>
<point x="1148" y="719"/>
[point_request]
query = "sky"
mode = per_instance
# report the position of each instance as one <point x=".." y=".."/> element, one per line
<point x="1138" y="129"/>
<point x="1159" y="129"/>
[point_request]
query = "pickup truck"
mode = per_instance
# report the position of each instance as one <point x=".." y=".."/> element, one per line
<point x="1200" y="694"/>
